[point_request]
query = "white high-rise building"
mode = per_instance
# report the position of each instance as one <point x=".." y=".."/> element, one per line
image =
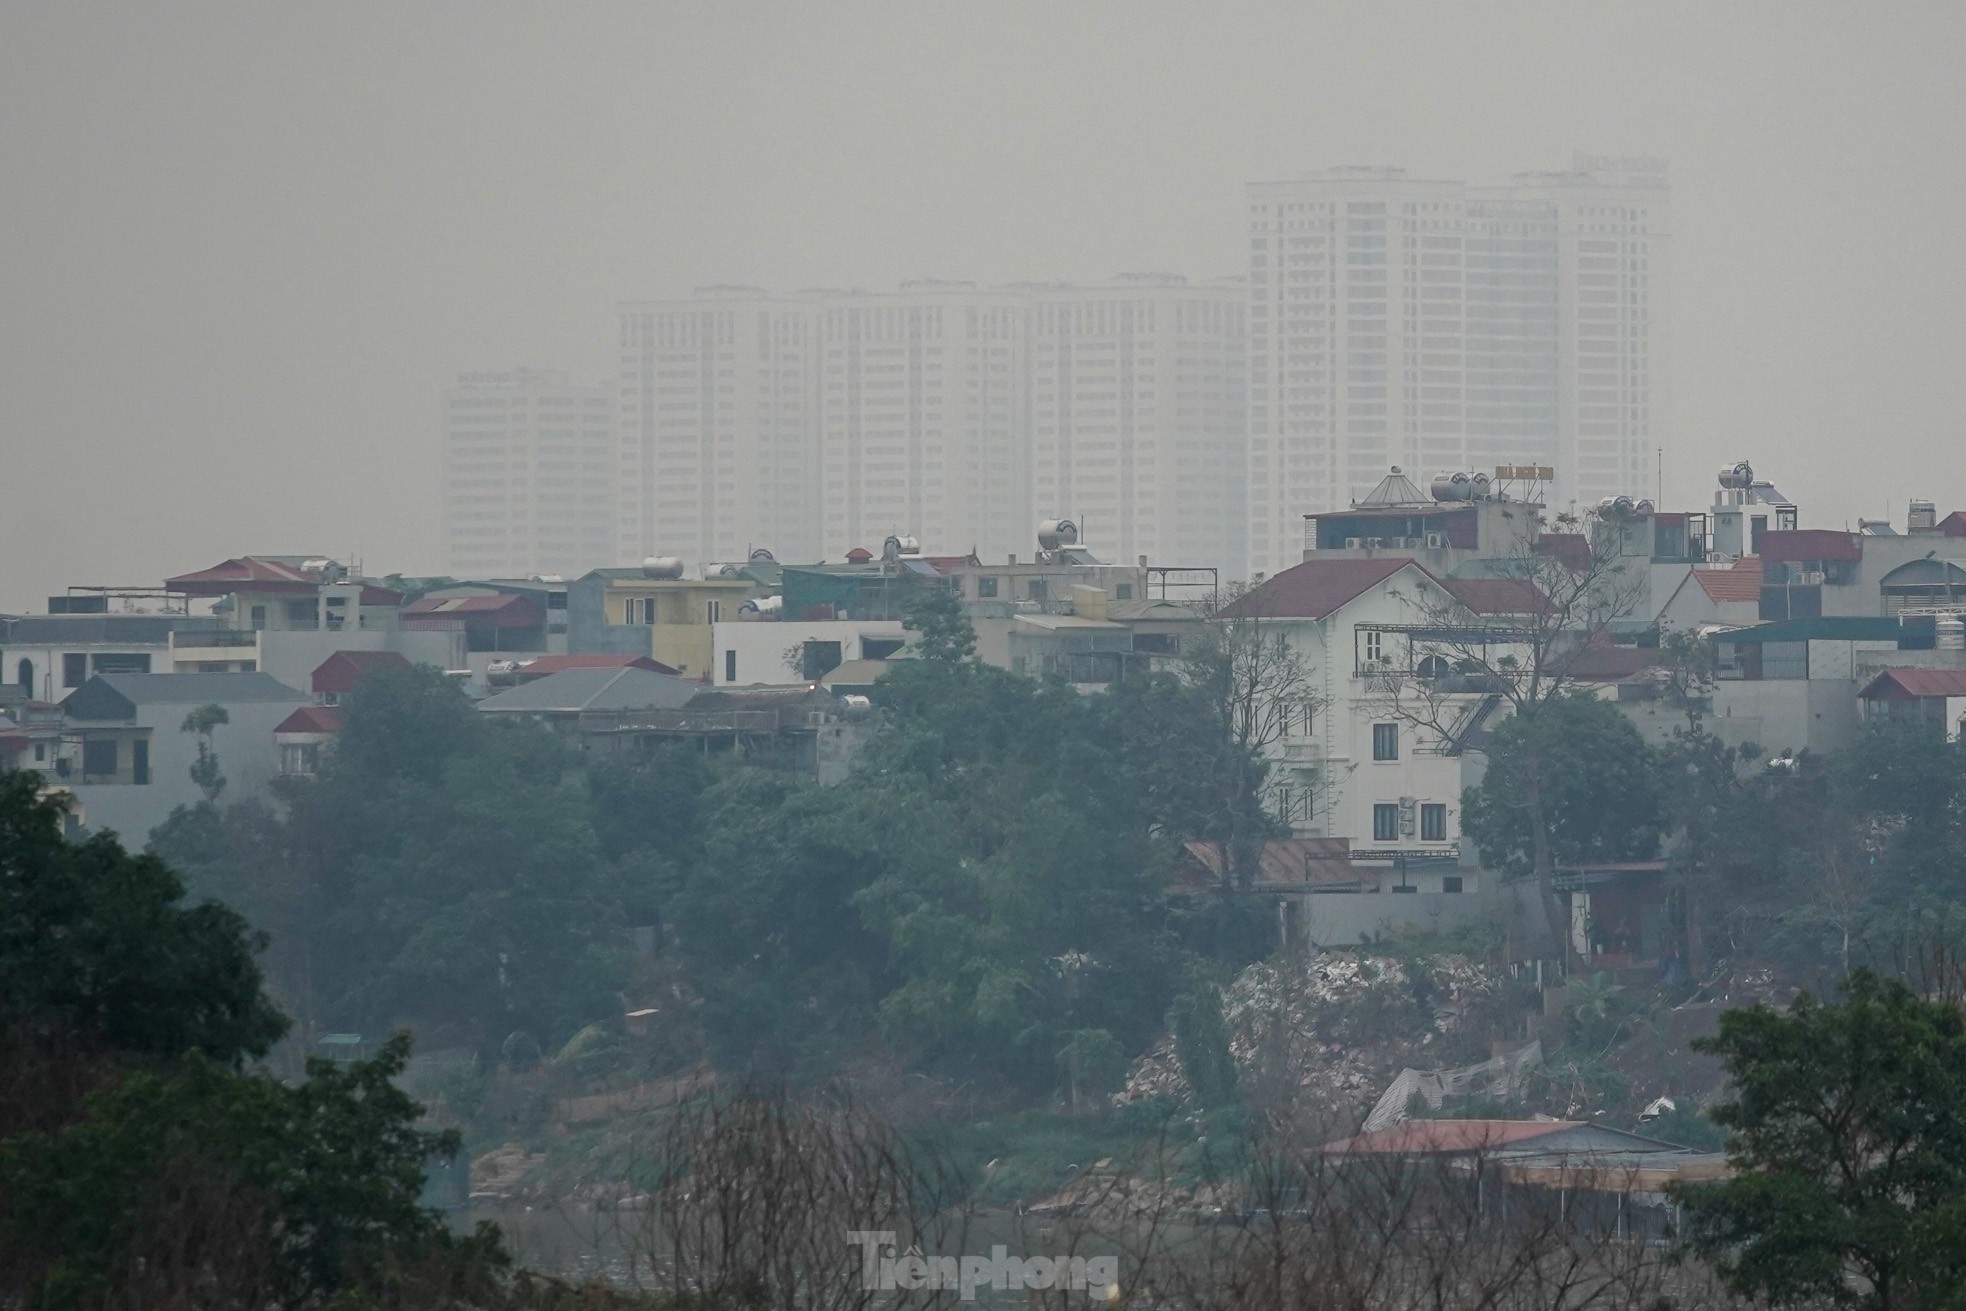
<point x="1137" y="416"/>
<point x="719" y="427"/>
<point x="956" y="414"/>
<point x="528" y="475"/>
<point x="923" y="419"/>
<point x="1435" y="325"/>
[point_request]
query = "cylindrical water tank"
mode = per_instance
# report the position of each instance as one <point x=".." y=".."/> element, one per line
<point x="662" y="566"/>
<point x="1478" y="486"/>
<point x="1739" y="477"/>
<point x="1056" y="533"/>
<point x="1952" y="633"/>
<point x="1452" y="486"/>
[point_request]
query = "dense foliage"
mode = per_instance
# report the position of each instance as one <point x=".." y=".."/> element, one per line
<point x="1848" y="1132"/>
<point x="988" y="892"/>
<point x="141" y="1160"/>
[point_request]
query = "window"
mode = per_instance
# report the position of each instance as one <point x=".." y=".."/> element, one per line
<point x="1304" y="719"/>
<point x="24" y="676"/>
<point x="1385" y="822"/>
<point x="99" y="759"/>
<point x="985" y="588"/>
<point x="1034" y="589"/>
<point x="713" y="612"/>
<point x="1433" y="822"/>
<point x="40" y="751"/>
<point x="140" y="761"/>
<point x="1375" y="646"/>
<point x="730" y="663"/>
<point x="123" y="663"/>
<point x="259" y="617"/>
<point x="1450" y="883"/>
<point x="299" y="757"/>
<point x="1123" y="592"/>
<point x="74" y="669"/>
<point x="641" y="610"/>
<point x="1385" y="741"/>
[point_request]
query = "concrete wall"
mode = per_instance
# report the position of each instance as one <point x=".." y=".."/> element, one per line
<point x="761" y="646"/>
<point x="1344" y="919"/>
<point x="246" y="754"/>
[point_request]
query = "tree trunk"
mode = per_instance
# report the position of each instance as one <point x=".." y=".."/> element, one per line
<point x="1555" y="913"/>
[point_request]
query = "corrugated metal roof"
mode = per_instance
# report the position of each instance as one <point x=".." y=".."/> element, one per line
<point x="1498" y="596"/>
<point x="1806" y="544"/>
<point x="1910" y="684"/>
<point x="1291" y="862"/>
<point x="197" y="689"/>
<point x="575" y="690"/>
<point x="552" y="664"/>
<point x="1425" y="1137"/>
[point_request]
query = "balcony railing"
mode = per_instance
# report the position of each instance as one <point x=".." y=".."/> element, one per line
<point x="209" y="637"/>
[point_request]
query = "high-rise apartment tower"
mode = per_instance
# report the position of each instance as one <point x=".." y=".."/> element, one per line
<point x="1436" y="326"/>
<point x="528" y="475"/>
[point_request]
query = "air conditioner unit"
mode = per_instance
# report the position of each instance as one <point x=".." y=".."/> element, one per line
<point x="1812" y="577"/>
<point x="1437" y="541"/>
<point x="1353" y="543"/>
<point x="1371" y="542"/>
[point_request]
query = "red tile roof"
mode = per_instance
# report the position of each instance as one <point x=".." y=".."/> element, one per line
<point x="553" y="664"/>
<point x="1909" y="684"/>
<point x="1803" y="544"/>
<point x="243" y="573"/>
<point x="1497" y="596"/>
<point x="1568" y="548"/>
<point x="498" y="610"/>
<point x="311" y="719"/>
<point x="1953" y="525"/>
<point x="1316" y="588"/>
<point x="255" y="573"/>
<point x="340" y="671"/>
<point x="1740" y="582"/>
<point x="1416" y="1137"/>
<point x="1610" y="664"/>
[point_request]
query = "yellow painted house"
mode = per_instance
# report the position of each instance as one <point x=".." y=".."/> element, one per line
<point x="630" y="612"/>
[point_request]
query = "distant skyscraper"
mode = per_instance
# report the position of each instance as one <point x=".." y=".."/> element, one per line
<point x="1137" y="416"/>
<point x="924" y="419"/>
<point x="528" y="478"/>
<point x="956" y="414"/>
<point x="719" y="427"/>
<point x="1434" y="325"/>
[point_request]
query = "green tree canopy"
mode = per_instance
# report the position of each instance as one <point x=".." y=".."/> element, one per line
<point x="1848" y="1135"/>
<point x="1600" y="788"/>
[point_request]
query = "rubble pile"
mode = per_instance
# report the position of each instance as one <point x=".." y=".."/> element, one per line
<point x="1330" y="1028"/>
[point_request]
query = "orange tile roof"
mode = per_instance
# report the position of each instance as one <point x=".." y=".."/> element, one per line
<point x="1741" y="582"/>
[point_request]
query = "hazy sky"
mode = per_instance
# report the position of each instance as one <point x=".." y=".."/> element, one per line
<point x="244" y="246"/>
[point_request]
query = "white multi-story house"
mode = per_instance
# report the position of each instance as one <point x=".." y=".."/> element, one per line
<point x="1437" y="325"/>
<point x="529" y="475"/>
<point x="1352" y="763"/>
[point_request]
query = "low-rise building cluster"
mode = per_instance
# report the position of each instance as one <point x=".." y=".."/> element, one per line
<point x="1411" y="629"/>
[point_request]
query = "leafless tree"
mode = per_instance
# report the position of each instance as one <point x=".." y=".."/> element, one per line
<point x="1256" y="686"/>
<point x="751" y="1200"/>
<point x="1517" y="640"/>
